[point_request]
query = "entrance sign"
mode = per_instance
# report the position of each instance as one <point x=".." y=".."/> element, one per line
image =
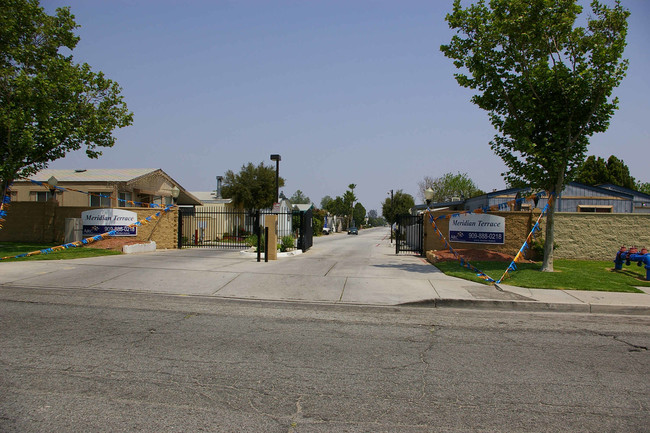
<point x="477" y="228"/>
<point x="98" y="221"/>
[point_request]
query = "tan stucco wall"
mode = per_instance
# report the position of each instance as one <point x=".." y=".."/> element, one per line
<point x="45" y="222"/>
<point x="596" y="236"/>
<point x="599" y="236"/>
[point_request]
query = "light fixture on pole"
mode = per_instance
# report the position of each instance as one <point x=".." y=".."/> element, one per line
<point x="175" y="193"/>
<point x="277" y="158"/>
<point x="53" y="182"/>
<point x="392" y="216"/>
<point x="428" y="195"/>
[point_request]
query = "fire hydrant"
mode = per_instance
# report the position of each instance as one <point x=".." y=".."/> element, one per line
<point x="633" y="255"/>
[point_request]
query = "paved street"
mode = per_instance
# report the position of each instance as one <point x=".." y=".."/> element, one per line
<point x="106" y="361"/>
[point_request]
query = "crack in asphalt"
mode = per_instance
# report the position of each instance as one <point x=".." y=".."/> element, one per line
<point x="635" y="347"/>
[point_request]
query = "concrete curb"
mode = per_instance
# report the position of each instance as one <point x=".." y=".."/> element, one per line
<point x="530" y="306"/>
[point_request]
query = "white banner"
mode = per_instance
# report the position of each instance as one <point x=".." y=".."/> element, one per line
<point x="477" y="228"/>
<point x="98" y="221"/>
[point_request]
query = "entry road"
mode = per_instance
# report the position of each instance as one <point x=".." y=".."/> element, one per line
<point x="103" y="361"/>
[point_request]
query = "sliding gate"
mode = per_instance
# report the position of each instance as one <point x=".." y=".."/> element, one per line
<point x="409" y="234"/>
<point x="216" y="227"/>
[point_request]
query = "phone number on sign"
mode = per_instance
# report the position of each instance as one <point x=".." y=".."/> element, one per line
<point x="478" y="237"/>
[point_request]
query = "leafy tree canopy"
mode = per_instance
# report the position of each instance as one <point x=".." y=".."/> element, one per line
<point x="546" y="83"/>
<point x="447" y="186"/>
<point x="253" y="187"/>
<point x="643" y="187"/>
<point x="359" y="214"/>
<point x="595" y="171"/>
<point x="49" y="105"/>
<point x="324" y="201"/>
<point x="299" y="197"/>
<point x="400" y="204"/>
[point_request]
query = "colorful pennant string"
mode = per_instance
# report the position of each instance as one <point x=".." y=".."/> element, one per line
<point x="94" y="194"/>
<point x="4" y="205"/>
<point x="464" y="263"/>
<point x="90" y="240"/>
<point x="531" y="236"/>
<point x="506" y="205"/>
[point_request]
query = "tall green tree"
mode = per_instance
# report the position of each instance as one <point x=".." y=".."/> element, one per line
<point x="545" y="82"/>
<point x="348" y="199"/>
<point x="447" y="186"/>
<point x="359" y="214"/>
<point x="400" y="204"/>
<point x="299" y="197"/>
<point x="325" y="201"/>
<point x="49" y="105"/>
<point x="253" y="187"/>
<point x="595" y="171"/>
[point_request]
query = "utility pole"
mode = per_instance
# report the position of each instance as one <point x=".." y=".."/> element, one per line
<point x="392" y="211"/>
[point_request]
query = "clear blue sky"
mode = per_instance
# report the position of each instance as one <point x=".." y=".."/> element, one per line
<point x="346" y="91"/>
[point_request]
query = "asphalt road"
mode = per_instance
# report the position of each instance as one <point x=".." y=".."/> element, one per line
<point x="74" y="360"/>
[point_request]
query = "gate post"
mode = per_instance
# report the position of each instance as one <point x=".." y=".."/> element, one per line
<point x="271" y="223"/>
<point x="258" y="232"/>
<point x="179" y="238"/>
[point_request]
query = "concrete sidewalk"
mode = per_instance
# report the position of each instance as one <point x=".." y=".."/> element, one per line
<point x="382" y="278"/>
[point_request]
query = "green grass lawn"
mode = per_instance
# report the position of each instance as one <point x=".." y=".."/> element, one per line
<point x="569" y="274"/>
<point x="9" y="249"/>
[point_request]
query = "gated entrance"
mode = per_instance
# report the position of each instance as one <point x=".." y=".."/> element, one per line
<point x="409" y="234"/>
<point x="306" y="236"/>
<point x="224" y="228"/>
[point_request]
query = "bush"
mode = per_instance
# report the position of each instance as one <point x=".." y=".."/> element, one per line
<point x="537" y="249"/>
<point x="287" y="243"/>
<point x="252" y="241"/>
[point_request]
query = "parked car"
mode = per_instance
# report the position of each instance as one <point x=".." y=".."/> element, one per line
<point x="353" y="231"/>
<point x="326" y="230"/>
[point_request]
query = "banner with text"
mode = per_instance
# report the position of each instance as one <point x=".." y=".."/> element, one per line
<point x="98" y="221"/>
<point x="477" y="228"/>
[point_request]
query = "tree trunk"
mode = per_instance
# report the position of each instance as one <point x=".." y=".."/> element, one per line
<point x="547" y="264"/>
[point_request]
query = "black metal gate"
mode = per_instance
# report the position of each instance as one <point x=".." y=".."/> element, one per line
<point x="215" y="227"/>
<point x="409" y="234"/>
<point x="227" y="228"/>
<point x="306" y="236"/>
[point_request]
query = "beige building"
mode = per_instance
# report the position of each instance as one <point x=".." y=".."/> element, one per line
<point x="103" y="188"/>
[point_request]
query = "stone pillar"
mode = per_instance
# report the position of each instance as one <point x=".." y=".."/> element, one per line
<point x="271" y="221"/>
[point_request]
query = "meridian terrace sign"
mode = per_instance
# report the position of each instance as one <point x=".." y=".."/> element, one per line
<point x="477" y="228"/>
<point x="98" y="221"/>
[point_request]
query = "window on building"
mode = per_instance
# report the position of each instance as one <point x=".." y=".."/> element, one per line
<point x="125" y="198"/>
<point x="595" y="208"/>
<point x="42" y="195"/>
<point x="100" y="199"/>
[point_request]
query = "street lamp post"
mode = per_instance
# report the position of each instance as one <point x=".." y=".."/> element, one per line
<point x="175" y="193"/>
<point x="428" y="195"/>
<point x="53" y="182"/>
<point x="392" y="215"/>
<point x="277" y="158"/>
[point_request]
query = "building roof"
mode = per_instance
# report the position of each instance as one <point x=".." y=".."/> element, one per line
<point x="93" y="174"/>
<point x="128" y="175"/>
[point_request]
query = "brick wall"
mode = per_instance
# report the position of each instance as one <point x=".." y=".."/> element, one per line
<point x="45" y="222"/>
<point x="596" y="236"/>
